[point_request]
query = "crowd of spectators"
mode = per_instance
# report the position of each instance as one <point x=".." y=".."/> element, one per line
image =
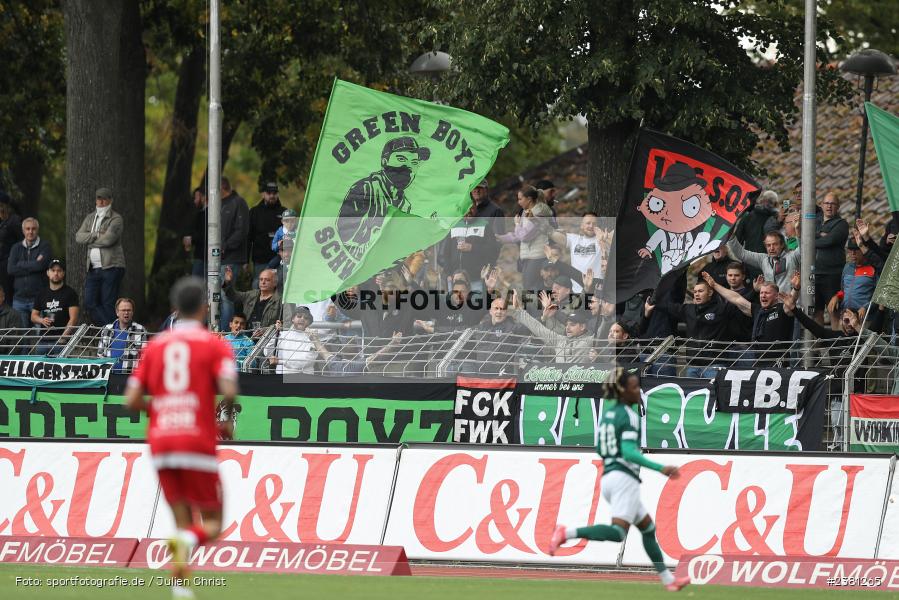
<point x="502" y="279"/>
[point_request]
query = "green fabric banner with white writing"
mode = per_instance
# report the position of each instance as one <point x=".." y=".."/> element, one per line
<point x="391" y="175"/>
<point x="678" y="413"/>
<point x="42" y="371"/>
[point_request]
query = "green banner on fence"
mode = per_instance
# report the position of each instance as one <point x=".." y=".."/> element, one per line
<point x="679" y="413"/>
<point x="366" y="420"/>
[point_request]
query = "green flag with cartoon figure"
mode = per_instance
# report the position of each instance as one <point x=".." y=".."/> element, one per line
<point x="391" y="175"/>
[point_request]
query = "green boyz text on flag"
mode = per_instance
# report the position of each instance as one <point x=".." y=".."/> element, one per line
<point x="391" y="175"/>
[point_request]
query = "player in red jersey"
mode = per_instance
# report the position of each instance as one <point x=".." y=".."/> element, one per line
<point x="182" y="370"/>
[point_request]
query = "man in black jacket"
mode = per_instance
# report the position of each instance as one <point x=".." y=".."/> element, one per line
<point x="265" y="218"/>
<point x="750" y="230"/>
<point x="706" y="320"/>
<point x="10" y="233"/>
<point x="495" y="346"/>
<point x="717" y="267"/>
<point x="769" y="324"/>
<point x="830" y="256"/>
<point x="28" y="261"/>
<point x="235" y="225"/>
<point x="459" y="309"/>
<point x="472" y="243"/>
<point x="194" y="241"/>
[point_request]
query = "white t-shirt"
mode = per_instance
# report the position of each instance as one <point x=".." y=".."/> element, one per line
<point x="94" y="253"/>
<point x="585" y="253"/>
<point x="295" y="351"/>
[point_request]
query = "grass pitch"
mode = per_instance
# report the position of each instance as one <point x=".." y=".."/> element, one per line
<point x="246" y="586"/>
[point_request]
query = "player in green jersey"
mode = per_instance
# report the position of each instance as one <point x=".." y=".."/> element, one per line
<point x="619" y="447"/>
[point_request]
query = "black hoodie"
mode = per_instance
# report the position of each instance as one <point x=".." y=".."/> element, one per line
<point x="264" y="222"/>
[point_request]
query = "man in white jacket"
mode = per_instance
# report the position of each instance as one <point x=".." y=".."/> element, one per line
<point x="292" y="350"/>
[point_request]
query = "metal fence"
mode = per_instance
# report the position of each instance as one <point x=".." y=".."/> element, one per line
<point x="866" y="365"/>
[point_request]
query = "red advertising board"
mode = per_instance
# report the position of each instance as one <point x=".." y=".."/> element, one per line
<point x="789" y="572"/>
<point x="448" y="502"/>
<point x="70" y="551"/>
<point x="280" y="557"/>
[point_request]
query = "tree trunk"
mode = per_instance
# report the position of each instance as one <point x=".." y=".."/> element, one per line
<point x="28" y="175"/>
<point x="229" y="130"/>
<point x="177" y="208"/>
<point x="105" y="79"/>
<point x="609" y="155"/>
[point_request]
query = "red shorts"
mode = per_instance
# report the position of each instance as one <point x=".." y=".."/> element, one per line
<point x="199" y="489"/>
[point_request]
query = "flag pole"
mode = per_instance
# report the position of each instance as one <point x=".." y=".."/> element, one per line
<point x="214" y="178"/>
<point x="807" y="249"/>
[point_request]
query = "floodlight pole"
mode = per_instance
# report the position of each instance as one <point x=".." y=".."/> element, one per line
<point x="214" y="174"/>
<point x="807" y="237"/>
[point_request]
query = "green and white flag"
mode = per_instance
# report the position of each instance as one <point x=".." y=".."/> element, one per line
<point x="391" y="175"/>
<point x="885" y="131"/>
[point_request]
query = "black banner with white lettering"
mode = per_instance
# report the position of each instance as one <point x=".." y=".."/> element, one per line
<point x="486" y="411"/>
<point x="767" y="390"/>
<point x="562" y="379"/>
<point x="681" y="203"/>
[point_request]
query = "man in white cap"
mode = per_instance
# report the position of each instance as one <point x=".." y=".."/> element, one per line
<point x="101" y="232"/>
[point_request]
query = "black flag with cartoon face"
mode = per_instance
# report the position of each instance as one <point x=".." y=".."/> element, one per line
<point x="680" y="204"/>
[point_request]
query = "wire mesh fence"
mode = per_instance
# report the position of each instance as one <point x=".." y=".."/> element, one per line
<point x="867" y="365"/>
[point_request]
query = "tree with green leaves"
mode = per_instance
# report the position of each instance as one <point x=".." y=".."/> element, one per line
<point x="864" y="23"/>
<point x="279" y="60"/>
<point x="695" y="70"/>
<point x="32" y="104"/>
<point x="859" y="23"/>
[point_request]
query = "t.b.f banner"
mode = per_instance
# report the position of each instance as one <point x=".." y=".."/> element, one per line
<point x="486" y="411"/>
<point x="41" y="371"/>
<point x="681" y="202"/>
<point x="873" y="423"/>
<point x="391" y="175"/>
<point x="767" y="390"/>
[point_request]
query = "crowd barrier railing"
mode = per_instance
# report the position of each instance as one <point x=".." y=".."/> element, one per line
<point x="854" y="365"/>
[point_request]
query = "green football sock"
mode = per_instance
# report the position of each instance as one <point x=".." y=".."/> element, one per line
<point x="652" y="548"/>
<point x="602" y="533"/>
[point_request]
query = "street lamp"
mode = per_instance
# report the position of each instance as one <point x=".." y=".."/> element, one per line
<point x="431" y="64"/>
<point x="870" y="64"/>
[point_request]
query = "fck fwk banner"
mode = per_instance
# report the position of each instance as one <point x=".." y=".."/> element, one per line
<point x="680" y="203"/>
<point x="485" y="411"/>
<point x="391" y="175"/>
